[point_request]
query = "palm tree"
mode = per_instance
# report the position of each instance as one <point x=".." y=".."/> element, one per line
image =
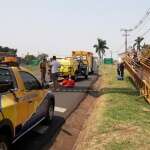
<point x="138" y="43"/>
<point x="100" y="48"/>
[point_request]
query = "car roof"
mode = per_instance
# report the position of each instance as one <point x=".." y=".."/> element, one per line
<point x="20" y="68"/>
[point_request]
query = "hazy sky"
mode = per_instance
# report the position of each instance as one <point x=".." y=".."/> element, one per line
<point x="57" y="27"/>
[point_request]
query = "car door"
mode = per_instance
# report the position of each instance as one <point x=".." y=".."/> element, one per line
<point x="34" y="94"/>
<point x="8" y="103"/>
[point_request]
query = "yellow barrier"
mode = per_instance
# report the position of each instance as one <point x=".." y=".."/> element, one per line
<point x="140" y="74"/>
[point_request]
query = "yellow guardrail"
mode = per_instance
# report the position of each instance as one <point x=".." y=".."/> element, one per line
<point x="140" y="74"/>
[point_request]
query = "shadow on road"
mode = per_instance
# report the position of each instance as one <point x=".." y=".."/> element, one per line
<point x="127" y="91"/>
<point x="41" y="136"/>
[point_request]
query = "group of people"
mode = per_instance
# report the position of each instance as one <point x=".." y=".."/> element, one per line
<point x="53" y="65"/>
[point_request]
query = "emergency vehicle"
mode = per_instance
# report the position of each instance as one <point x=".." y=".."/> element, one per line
<point x="86" y="57"/>
<point x="24" y="102"/>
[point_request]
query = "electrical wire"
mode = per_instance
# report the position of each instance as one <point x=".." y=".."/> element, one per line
<point x="142" y="20"/>
<point x="146" y="32"/>
<point x="140" y="25"/>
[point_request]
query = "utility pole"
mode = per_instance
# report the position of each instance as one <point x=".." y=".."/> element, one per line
<point x="126" y="37"/>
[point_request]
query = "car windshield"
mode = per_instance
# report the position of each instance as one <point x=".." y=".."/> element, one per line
<point x="80" y="58"/>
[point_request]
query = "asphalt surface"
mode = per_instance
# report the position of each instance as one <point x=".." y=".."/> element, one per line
<point x="66" y="102"/>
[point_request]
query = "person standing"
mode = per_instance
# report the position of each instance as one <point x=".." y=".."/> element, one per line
<point x="120" y="69"/>
<point x="54" y="70"/>
<point x="43" y="70"/>
<point x="50" y="70"/>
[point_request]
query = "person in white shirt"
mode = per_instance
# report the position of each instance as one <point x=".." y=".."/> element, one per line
<point x="120" y="69"/>
<point x="54" y="72"/>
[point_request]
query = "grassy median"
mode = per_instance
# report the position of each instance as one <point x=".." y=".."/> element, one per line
<point x="121" y="118"/>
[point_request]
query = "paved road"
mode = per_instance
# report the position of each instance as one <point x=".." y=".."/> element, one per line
<point x="66" y="101"/>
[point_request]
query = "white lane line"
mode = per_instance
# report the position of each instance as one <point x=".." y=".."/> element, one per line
<point x="60" y="109"/>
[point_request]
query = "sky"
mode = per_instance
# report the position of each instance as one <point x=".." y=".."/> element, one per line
<point x="57" y="27"/>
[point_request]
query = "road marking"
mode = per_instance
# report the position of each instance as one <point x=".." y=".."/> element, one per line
<point x="60" y="109"/>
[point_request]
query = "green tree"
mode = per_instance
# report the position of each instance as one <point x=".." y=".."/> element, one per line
<point x="28" y="59"/>
<point x="8" y="50"/>
<point x="41" y="56"/>
<point x="100" y="48"/>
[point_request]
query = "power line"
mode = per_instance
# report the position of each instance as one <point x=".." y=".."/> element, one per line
<point x="139" y="24"/>
<point x="146" y="32"/>
<point x="140" y="28"/>
<point x="142" y="20"/>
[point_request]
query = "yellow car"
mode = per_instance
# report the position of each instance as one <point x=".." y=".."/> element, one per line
<point x="24" y="103"/>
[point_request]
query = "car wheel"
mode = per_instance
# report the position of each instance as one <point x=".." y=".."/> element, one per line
<point x="4" y="143"/>
<point x="50" y="113"/>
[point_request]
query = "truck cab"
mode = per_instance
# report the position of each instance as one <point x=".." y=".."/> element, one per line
<point x="86" y="57"/>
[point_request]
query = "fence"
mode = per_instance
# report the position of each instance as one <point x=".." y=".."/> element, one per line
<point x="140" y="74"/>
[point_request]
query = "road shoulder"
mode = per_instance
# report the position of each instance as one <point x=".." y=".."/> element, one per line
<point x="120" y="119"/>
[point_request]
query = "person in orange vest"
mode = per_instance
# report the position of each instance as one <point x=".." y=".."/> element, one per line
<point x="43" y="70"/>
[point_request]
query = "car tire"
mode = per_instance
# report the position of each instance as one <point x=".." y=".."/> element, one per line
<point x="4" y="143"/>
<point x="50" y="113"/>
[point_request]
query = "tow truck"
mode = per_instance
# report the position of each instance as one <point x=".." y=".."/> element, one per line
<point x="24" y="102"/>
<point x="86" y="57"/>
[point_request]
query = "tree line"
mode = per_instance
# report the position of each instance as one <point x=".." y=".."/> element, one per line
<point x="27" y="59"/>
<point x="100" y="49"/>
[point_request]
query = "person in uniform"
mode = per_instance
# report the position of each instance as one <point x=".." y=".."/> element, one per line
<point x="43" y="70"/>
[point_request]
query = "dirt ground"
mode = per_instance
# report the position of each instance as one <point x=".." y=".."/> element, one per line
<point x="70" y="131"/>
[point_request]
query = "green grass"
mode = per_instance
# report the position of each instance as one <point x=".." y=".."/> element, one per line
<point x="126" y="145"/>
<point x="32" y="67"/>
<point x="126" y="115"/>
<point x="121" y="118"/>
<point x="35" y="69"/>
